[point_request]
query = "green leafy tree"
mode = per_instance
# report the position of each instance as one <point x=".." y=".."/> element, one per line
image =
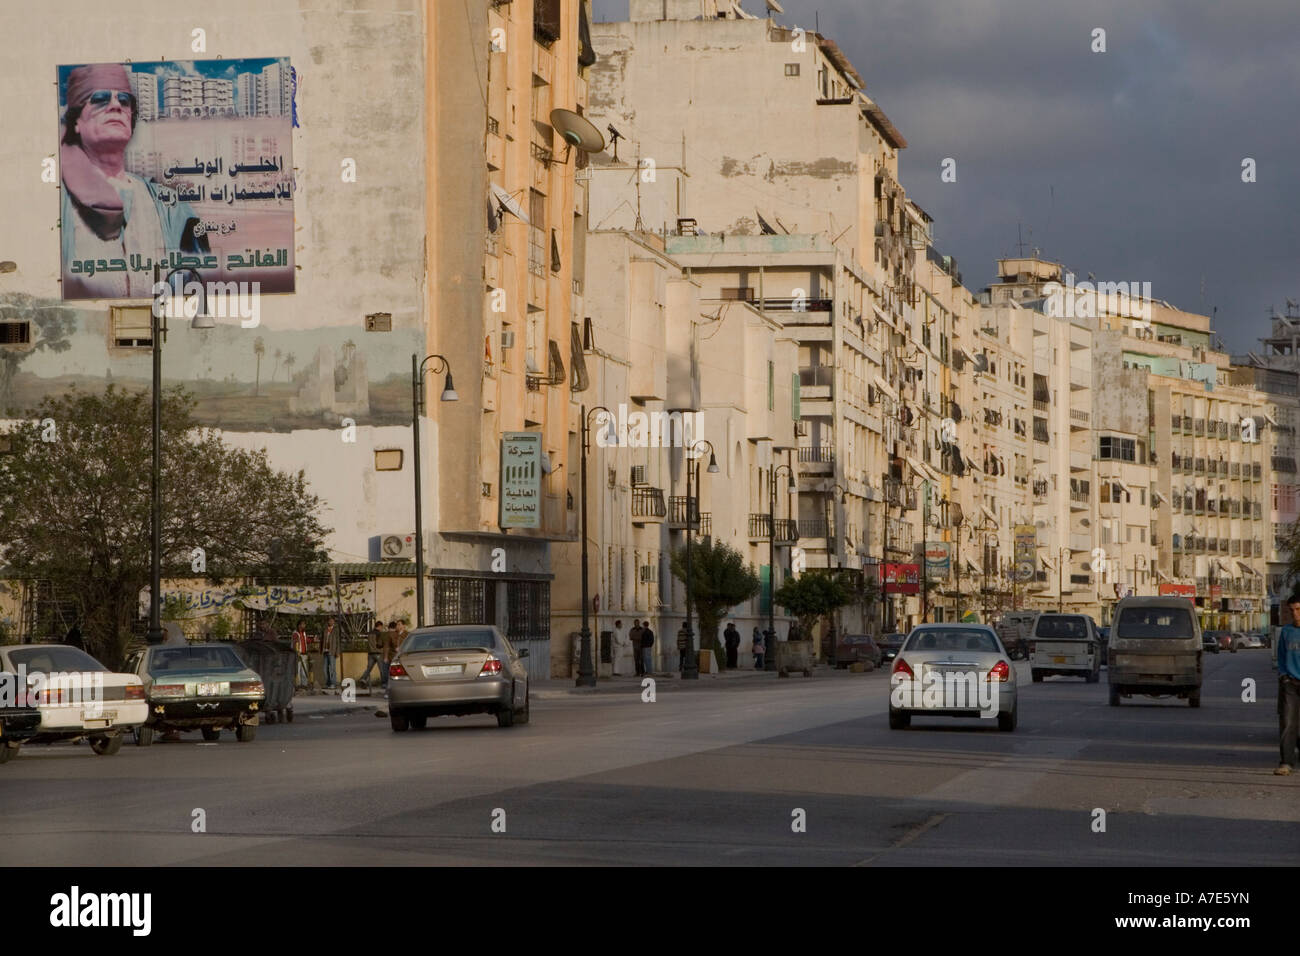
<point x="812" y="595"/>
<point x="720" y="579"/>
<point x="75" y="510"/>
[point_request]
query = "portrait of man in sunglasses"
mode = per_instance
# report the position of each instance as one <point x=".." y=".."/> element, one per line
<point x="107" y="212"/>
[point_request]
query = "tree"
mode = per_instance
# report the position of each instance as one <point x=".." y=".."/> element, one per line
<point x="259" y="349"/>
<point x="53" y="326"/>
<point x="812" y="595"/>
<point x="75" y="510"/>
<point x="720" y="579"/>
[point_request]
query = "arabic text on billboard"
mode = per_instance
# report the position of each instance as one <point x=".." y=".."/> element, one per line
<point x="184" y="165"/>
<point x="521" y="480"/>
<point x="937" y="561"/>
<point x="902" y="578"/>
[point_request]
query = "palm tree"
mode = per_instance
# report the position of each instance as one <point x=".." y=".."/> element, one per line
<point x="259" y="349"/>
<point x="289" y="361"/>
<point x="275" y="368"/>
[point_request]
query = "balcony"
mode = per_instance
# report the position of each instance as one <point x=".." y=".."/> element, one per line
<point x="1080" y="461"/>
<point x="701" y="523"/>
<point x="817" y="454"/>
<point x="797" y="304"/>
<point x="787" y="531"/>
<point x="811" y="527"/>
<point x="648" y="505"/>
<point x="1079" y="418"/>
<point x="816" y="381"/>
<point x="1085" y="579"/>
<point x="898" y="495"/>
<point x="1040" y="431"/>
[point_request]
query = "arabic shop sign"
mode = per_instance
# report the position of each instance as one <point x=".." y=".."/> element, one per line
<point x="901" y="578"/>
<point x="200" y="155"/>
<point x="356" y="597"/>
<point x="1026" y="552"/>
<point x="521" y="480"/>
<point x="937" y="561"/>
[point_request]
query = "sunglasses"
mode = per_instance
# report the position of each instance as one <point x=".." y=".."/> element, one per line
<point x="101" y="98"/>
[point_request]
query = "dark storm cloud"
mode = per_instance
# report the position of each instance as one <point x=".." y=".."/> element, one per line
<point x="1125" y="163"/>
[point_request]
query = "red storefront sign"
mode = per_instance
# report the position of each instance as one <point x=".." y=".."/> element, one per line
<point x="1179" y="590"/>
<point x="902" y="578"/>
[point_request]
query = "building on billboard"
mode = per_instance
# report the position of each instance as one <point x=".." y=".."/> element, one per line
<point x="145" y="88"/>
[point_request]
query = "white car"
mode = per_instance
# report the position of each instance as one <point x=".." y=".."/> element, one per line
<point x="952" y="670"/>
<point x="77" y="696"/>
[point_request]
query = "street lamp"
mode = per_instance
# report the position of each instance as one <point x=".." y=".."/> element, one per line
<point x="984" y="533"/>
<point x="690" y="665"/>
<point x="832" y="542"/>
<point x="769" y="661"/>
<point x="441" y="365"/>
<point x="1062" y="555"/>
<point x="586" y="665"/>
<point x="158" y="332"/>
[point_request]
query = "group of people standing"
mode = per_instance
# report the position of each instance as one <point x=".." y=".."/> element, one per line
<point x="639" y="641"/>
<point x="384" y="640"/>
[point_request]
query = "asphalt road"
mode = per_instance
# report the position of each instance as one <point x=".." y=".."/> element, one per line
<point x="707" y="774"/>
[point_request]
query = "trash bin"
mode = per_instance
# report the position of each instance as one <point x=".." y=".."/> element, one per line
<point x="794" y="656"/>
<point x="276" y="663"/>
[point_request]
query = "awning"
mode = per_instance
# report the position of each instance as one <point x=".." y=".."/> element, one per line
<point x="1157" y="496"/>
<point x="970" y="566"/>
<point x="1116" y="483"/>
<point x="1047" y="563"/>
<point x="1222" y="566"/>
<point x="929" y="472"/>
<point x="972" y="464"/>
<point x="882" y="315"/>
<point x="1270" y="419"/>
<point x="1167" y="578"/>
<point x="989" y="514"/>
<point x="1248" y="569"/>
<point x="886" y="388"/>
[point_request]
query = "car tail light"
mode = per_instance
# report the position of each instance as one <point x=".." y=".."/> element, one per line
<point x="902" y="667"/>
<point x="50" y="695"/>
<point x="490" y="666"/>
<point x="247" y="687"/>
<point x="168" y="690"/>
<point x="134" y="692"/>
<point x="397" y="670"/>
<point x="1001" y="671"/>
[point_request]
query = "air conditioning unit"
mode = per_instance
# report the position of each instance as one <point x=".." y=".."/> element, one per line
<point x="507" y="340"/>
<point x="397" y="547"/>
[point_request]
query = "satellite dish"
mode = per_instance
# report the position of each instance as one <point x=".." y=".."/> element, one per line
<point x="508" y="203"/>
<point x="981" y="362"/>
<point x="577" y="131"/>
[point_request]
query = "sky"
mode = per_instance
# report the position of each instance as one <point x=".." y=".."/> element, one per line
<point x="1126" y="163"/>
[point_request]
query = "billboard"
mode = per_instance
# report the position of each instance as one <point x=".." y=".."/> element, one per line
<point x="182" y="165"/>
<point x="1178" y="590"/>
<point x="521" y="480"/>
<point x="937" y="561"/>
<point x="902" y="578"/>
<point x="1026" y="552"/>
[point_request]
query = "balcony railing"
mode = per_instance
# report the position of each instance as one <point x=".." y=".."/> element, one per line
<point x="817" y="453"/>
<point x="648" y="502"/>
<point x="812" y="527"/>
<point x="677" y="511"/>
<point x="787" y="530"/>
<point x="898" y="495"/>
<point x="800" y="304"/>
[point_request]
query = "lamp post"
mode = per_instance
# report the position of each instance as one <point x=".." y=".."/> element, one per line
<point x="832" y="548"/>
<point x="158" y="332"/>
<point x="586" y="665"/>
<point x="769" y="661"/>
<point x="417" y="405"/>
<point x="690" y="665"/>
<point x="1062" y="555"/>
<point x="984" y="533"/>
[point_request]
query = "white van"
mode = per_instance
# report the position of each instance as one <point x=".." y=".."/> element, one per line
<point x="1066" y="644"/>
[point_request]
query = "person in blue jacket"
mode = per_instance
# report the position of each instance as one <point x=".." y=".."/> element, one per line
<point x="1288" y="686"/>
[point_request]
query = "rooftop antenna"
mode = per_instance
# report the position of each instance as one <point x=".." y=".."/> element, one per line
<point x="614" y="137"/>
<point x="1020" y="241"/>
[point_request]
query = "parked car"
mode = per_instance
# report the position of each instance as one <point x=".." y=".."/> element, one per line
<point x="1155" y="649"/>
<point x="204" y="687"/>
<point x="454" y="670"/>
<point x="857" y="648"/>
<point x="965" y="661"/>
<point x="1065" y="644"/>
<point x="19" y="721"/>
<point x="889" y="645"/>
<point x="77" y="697"/>
<point x="1227" y="641"/>
<point x="1252" y="640"/>
<point x="1209" y="642"/>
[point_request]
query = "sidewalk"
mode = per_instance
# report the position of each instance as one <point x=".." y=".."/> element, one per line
<point x="555" y="688"/>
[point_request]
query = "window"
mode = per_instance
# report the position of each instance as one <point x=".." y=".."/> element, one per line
<point x="16" y="333"/>
<point x="1117" y="449"/>
<point x="131" y="327"/>
<point x="792" y="69"/>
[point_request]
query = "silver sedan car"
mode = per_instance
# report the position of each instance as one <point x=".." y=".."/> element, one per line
<point x="454" y="670"/>
<point x="952" y="670"/>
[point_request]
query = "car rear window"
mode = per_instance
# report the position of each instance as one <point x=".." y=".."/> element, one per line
<point x="1168" y="622"/>
<point x="1064" y="627"/>
<point x="48" y="660"/>
<point x="954" y="640"/>
<point x="449" y="641"/>
<point x="168" y="659"/>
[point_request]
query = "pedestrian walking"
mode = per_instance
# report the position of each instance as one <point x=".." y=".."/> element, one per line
<point x="620" y="648"/>
<point x="731" y="638"/>
<point x="330" y="648"/>
<point x="647" y="649"/>
<point x="375" y="655"/>
<point x="396" y="634"/>
<point x="634" y="640"/>
<point x="300" y="643"/>
<point x="1288" y="687"/>
<point x="757" y="648"/>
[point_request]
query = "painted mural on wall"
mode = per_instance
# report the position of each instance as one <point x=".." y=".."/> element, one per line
<point x="186" y="165"/>
<point x="259" y="379"/>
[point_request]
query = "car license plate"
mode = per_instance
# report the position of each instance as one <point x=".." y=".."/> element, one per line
<point x="1058" y="660"/>
<point x="94" y="715"/>
<point x="430" y="671"/>
<point x="209" y="690"/>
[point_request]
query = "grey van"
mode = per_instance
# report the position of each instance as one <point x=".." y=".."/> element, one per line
<point x="1155" y="649"/>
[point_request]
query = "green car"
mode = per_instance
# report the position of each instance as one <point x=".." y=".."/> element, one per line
<point x="208" y="687"/>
